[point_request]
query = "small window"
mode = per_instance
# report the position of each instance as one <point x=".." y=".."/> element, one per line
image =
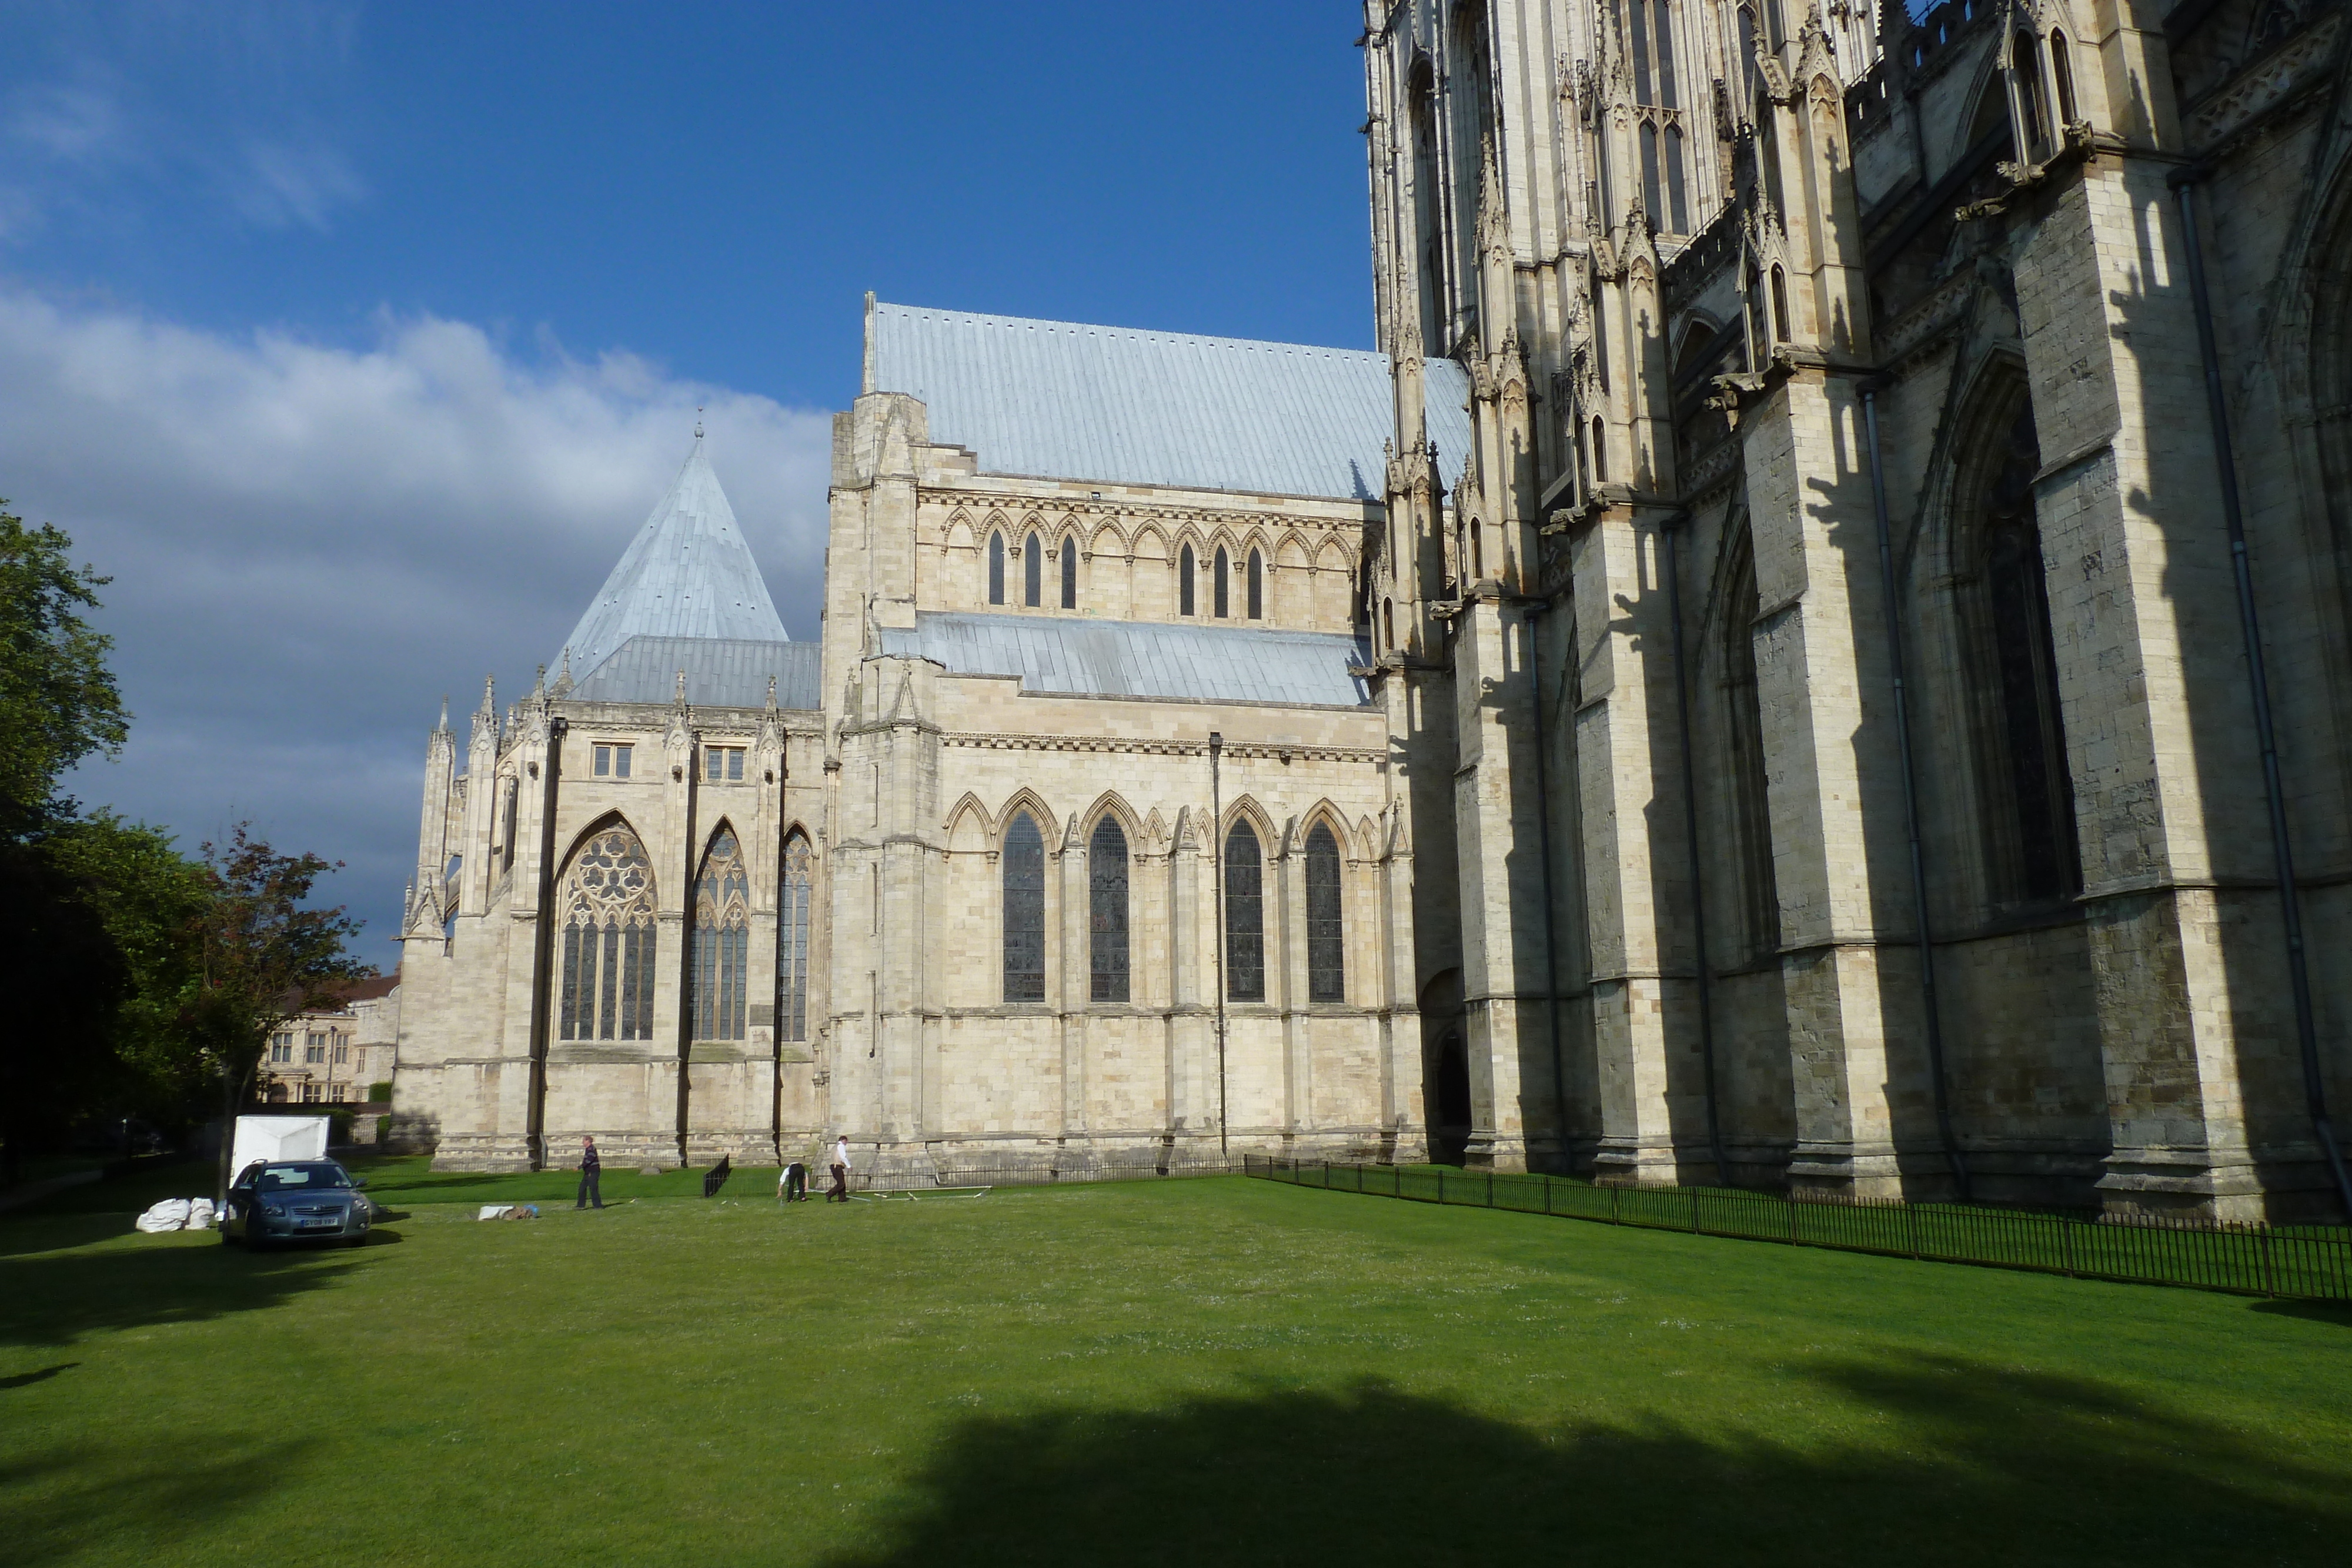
<point x="996" y="569"/>
<point x="1219" y="587"/>
<point x="314" y="1049"/>
<point x="342" y="1049"/>
<point x="281" y="1047"/>
<point x="1184" y="580"/>
<point x="1256" y="586"/>
<point x="1600" y="451"/>
<point x="310" y="1095"/>
<point x="722" y="764"/>
<point x="1069" y="574"/>
<point x="1780" y="306"/>
<point x="2062" y="77"/>
<point x="613" y="760"/>
<point x="1032" y="570"/>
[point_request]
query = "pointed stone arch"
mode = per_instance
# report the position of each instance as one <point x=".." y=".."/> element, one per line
<point x="607" y="935"/>
<point x="960" y="533"/>
<point x="968" y="827"/>
<point x="720" y="945"/>
<point x="1024" y="799"/>
<point x="1108" y="539"/>
<point x="1151" y="543"/>
<point x="1113" y="803"/>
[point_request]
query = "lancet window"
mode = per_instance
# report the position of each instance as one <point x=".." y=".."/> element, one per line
<point x="1256" y="585"/>
<point x="793" y="916"/>
<point x="1032" y="571"/>
<point x="1069" y="574"/>
<point x="1657" y="114"/>
<point x="1184" y="581"/>
<point x="1106" y="910"/>
<point x="722" y="941"/>
<point x="995" y="567"/>
<point x="1024" y="911"/>
<point x="1218" y="586"/>
<point x="1244" y="916"/>
<point x="606" y="915"/>
<point x="1327" y="947"/>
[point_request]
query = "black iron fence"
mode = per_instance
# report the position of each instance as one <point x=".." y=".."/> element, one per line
<point x="2305" y="1262"/>
<point x="895" y="1182"/>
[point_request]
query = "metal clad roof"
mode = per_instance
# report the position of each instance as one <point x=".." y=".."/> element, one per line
<point x="687" y="574"/>
<point x="1066" y="401"/>
<point x="1142" y="658"/>
<point x="720" y="672"/>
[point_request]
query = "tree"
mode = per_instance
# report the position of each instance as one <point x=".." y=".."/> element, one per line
<point x="58" y="702"/>
<point x="65" y="980"/>
<point x="262" y="959"/>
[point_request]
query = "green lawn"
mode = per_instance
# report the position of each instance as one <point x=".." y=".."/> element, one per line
<point x="1188" y="1371"/>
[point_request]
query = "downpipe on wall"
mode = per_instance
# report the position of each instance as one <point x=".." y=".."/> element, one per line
<point x="2307" y="1029"/>
<point x="1930" y="1004"/>
<point x="1669" y="567"/>
<point x="1217" y="856"/>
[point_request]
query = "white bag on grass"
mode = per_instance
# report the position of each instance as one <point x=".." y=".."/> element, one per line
<point x="200" y="1213"/>
<point x="171" y="1214"/>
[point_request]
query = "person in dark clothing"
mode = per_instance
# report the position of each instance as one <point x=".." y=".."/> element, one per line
<point x="591" y="1169"/>
<point x="839" y="1191"/>
<point x="795" y="1183"/>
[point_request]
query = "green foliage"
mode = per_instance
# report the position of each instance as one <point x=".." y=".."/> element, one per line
<point x="151" y="899"/>
<point x="58" y="703"/>
<point x="380" y="1094"/>
<point x="1178" y="1373"/>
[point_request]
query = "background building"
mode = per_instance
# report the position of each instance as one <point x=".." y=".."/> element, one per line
<point x="336" y="1056"/>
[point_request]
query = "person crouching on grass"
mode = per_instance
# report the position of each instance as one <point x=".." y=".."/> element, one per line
<point x="839" y="1192"/>
<point x="590" y="1170"/>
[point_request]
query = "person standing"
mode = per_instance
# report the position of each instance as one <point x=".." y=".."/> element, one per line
<point x="590" y="1170"/>
<point x="840" y="1190"/>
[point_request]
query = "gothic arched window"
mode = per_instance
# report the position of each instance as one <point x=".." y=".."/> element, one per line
<point x="1106" y="910"/>
<point x="722" y="941"/>
<point x="1256" y="586"/>
<point x="1244" y="916"/>
<point x="605" y="911"/>
<point x="995" y="567"/>
<point x="2061" y="77"/>
<point x="793" y="939"/>
<point x="1032" y="571"/>
<point x="1759" y="895"/>
<point x="2027" y="781"/>
<point x="1219" y="587"/>
<point x="2026" y="60"/>
<point x="1069" y="574"/>
<point x="1184" y="580"/>
<point x="1024" y="911"/>
<point x="1327" y="947"/>
<point x="506" y="810"/>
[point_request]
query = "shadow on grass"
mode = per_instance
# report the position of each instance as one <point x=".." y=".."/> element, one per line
<point x="1946" y="1463"/>
<point x="54" y="1296"/>
<point x="52" y="1505"/>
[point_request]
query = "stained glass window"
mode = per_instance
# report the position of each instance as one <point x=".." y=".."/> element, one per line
<point x="1069" y="574"/>
<point x="996" y="569"/>
<point x="792" y="941"/>
<point x="1256" y="586"/>
<point x="1024" y="911"/>
<point x="722" y="941"/>
<point x="1184" y="580"/>
<point x="607" y="916"/>
<point x="1244" y="916"/>
<point x="1033" y="569"/>
<point x="1327" y="974"/>
<point x="1107" y="904"/>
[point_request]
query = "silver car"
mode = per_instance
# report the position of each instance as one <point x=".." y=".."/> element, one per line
<point x="297" y="1200"/>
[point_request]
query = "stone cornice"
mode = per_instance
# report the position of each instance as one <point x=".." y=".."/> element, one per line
<point x="1279" y="751"/>
<point x="1344" y="514"/>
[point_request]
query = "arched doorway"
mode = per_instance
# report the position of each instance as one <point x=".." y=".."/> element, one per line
<point x="1449" y="1131"/>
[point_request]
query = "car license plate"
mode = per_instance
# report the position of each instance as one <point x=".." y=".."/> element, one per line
<point x="326" y="1224"/>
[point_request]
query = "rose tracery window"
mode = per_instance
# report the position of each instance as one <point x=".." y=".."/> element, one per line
<point x="722" y="941"/>
<point x="607" y="916"/>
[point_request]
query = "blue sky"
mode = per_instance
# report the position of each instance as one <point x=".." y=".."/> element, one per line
<point x="355" y="340"/>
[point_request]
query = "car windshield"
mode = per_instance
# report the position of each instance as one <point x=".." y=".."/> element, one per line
<point x="278" y="1179"/>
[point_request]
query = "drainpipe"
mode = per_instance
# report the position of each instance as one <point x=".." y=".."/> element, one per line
<point x="1930" y="1007"/>
<point x="1217" y="860"/>
<point x="2306" y="1030"/>
<point x="1534" y="613"/>
<point x="1668" y="567"/>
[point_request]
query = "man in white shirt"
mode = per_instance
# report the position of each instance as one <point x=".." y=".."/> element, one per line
<point x="840" y="1190"/>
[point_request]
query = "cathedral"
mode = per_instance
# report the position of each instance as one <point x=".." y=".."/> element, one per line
<point x="1815" y="655"/>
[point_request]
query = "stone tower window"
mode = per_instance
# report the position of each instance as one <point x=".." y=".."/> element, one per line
<point x="1780" y="305"/>
<point x="1219" y="587"/>
<point x="1184" y="581"/>
<point x="1244" y="916"/>
<point x="606" y="910"/>
<point x="792" y="940"/>
<point x="1106" y="910"/>
<point x="1024" y="911"/>
<point x="1256" y="586"/>
<point x="2061" y="77"/>
<point x="2025" y="62"/>
<point x="1069" y="574"/>
<point x="722" y="941"/>
<point x="1327" y="947"/>
<point x="996" y="569"/>
<point x="1032" y="571"/>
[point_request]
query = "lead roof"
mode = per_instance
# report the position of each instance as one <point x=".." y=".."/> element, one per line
<point x="1142" y="658"/>
<point x="1065" y="400"/>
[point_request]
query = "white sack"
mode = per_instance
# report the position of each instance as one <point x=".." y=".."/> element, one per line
<point x="171" y="1214"/>
<point x="200" y="1213"/>
<point x="494" y="1211"/>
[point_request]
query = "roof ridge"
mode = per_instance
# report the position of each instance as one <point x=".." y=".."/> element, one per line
<point x="1143" y="334"/>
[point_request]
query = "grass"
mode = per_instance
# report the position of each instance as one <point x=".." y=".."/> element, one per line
<point x="1194" y="1372"/>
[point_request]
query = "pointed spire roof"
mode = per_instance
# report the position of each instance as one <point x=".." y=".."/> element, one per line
<point x="687" y="574"/>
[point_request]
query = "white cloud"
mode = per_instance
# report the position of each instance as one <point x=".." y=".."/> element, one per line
<point x="310" y="544"/>
<point x="280" y="186"/>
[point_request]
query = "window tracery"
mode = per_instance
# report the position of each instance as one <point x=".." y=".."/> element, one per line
<point x="722" y="941"/>
<point x="606" y="910"/>
<point x="792" y="939"/>
<point x="1107" y="911"/>
<point x="1327" y="947"/>
<point x="1244" y="916"/>
<point x="1024" y="911"/>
